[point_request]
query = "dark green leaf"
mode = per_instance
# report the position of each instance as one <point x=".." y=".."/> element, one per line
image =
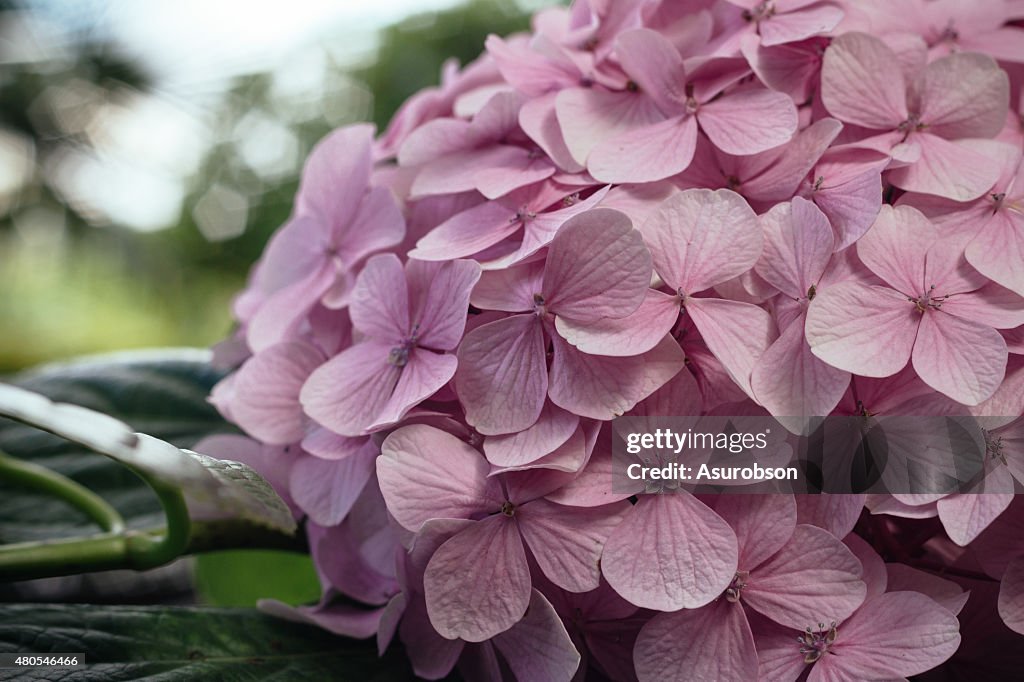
<point x="241" y="578"/>
<point x="177" y="643"/>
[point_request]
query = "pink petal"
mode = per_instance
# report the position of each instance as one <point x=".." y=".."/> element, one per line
<point x="789" y="380"/>
<point x="348" y="620"/>
<point x="700" y="238"/>
<point x="654" y="64"/>
<point x="502" y="375"/>
<point x="859" y="85"/>
<point x="780" y="180"/>
<point x="377" y="225"/>
<point x="602" y="387"/>
<point x="946" y="593"/>
<point x="348" y="392"/>
<point x="946" y="169"/>
<point x="670" y="552"/>
<point x="440" y="300"/>
<point x="478" y="599"/>
<point x="632" y="335"/>
<point x="432" y="656"/>
<point x="516" y="167"/>
<point x="895" y="247"/>
<point x="814" y="578"/>
<point x="1011" y="596"/>
<point x="587" y="116"/>
<point x="792" y="69"/>
<point x="468" y="232"/>
<point x="597" y="266"/>
<point x="539" y="121"/>
<point x="965" y="516"/>
<point x="326" y="489"/>
<point x="510" y="290"/>
<point x="266" y="392"/>
<point x="959" y="358"/>
<point x="964" y="95"/>
<point x="538" y="647"/>
<point x="424" y="374"/>
<point x="567" y="542"/>
<point x="797" y="246"/>
<point x="553" y="427"/>
<point x="645" y="153"/>
<point x="380" y="299"/>
<point x="789" y="27"/>
<point x="284" y="311"/>
<point x="426" y="473"/>
<point x="336" y="175"/>
<point x="835" y="513"/>
<point x="710" y="643"/>
<point x="866" y="330"/>
<point x="850" y="193"/>
<point x="874" y="572"/>
<point x="748" y="121"/>
<point x="737" y="333"/>
<point x="897" y="633"/>
<point x="998" y="250"/>
<point x="763" y="524"/>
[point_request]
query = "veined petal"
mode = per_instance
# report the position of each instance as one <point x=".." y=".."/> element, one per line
<point x="960" y="358"/>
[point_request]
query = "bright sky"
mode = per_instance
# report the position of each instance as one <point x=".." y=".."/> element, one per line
<point x="195" y="47"/>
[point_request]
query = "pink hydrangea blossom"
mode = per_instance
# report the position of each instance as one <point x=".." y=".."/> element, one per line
<point x="648" y="208"/>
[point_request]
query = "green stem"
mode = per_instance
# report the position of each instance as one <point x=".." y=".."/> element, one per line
<point x="29" y="475"/>
<point x="148" y="551"/>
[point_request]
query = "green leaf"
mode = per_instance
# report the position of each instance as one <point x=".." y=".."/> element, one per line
<point x="242" y="578"/>
<point x="162" y="393"/>
<point x="179" y="643"/>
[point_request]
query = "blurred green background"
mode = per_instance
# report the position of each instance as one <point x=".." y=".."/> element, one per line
<point x="149" y="148"/>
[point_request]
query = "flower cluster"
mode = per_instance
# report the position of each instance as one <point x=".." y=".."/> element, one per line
<point x="655" y="207"/>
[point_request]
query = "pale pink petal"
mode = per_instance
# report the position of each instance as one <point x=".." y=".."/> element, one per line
<point x="917" y="635"/>
<point x="327" y="489"/>
<point x="432" y="656"/>
<point x="964" y="516"/>
<point x="281" y="315"/>
<point x="553" y="427"/>
<point x="991" y="305"/>
<point x="538" y="647"/>
<point x="998" y="250"/>
<point x="946" y="169"/>
<point x="380" y="299"/>
<point x="790" y="27"/>
<point x="587" y="116"/>
<point x="432" y="139"/>
<point x="798" y="244"/>
<point x="959" y="358"/>
<point x="347" y="620"/>
<point x="736" y="333"/>
<point x="502" y="375"/>
<point x="597" y="266"/>
<point x="654" y="64"/>
<point x="566" y="542"/>
<point x="335" y="177"/>
<point x="349" y="391"/>
<point x="377" y="225"/>
<point x="866" y="330"/>
<point x="569" y="457"/>
<point x="895" y="248"/>
<point x="266" y="392"/>
<point x="835" y="513"/>
<point x="1011" y="596"/>
<point x="602" y="387"/>
<point x="476" y="600"/>
<point x="440" y="301"/>
<point x="710" y="643"/>
<point x="516" y="167"/>
<point x="632" y="335"/>
<point x="763" y="524"/>
<point x="792" y="69"/>
<point x="645" y="153"/>
<point x="510" y="290"/>
<point x="789" y="380"/>
<point x="814" y="578"/>
<point x="748" y="121"/>
<point x="850" y="192"/>
<point x="946" y="593"/>
<point x="859" y="84"/>
<point x="539" y="121"/>
<point x="700" y="238"/>
<point x="873" y="573"/>
<point x="540" y="229"/>
<point x="670" y="552"/>
<point x="468" y="232"/>
<point x="426" y="473"/>
<point x="424" y="374"/>
<point x="964" y="95"/>
<point x="792" y="163"/>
